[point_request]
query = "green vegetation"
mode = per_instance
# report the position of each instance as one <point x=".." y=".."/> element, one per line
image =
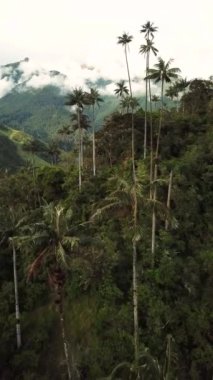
<point x="113" y="267"/>
<point x="18" y="149"/>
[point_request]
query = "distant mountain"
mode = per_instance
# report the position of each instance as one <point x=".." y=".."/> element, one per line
<point x="33" y="100"/>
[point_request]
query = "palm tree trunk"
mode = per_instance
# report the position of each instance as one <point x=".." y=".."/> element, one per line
<point x="127" y="65"/>
<point x="82" y="147"/>
<point x="18" y="325"/>
<point x="134" y="259"/>
<point x="168" y="199"/>
<point x="65" y="346"/>
<point x="79" y="150"/>
<point x="160" y="120"/>
<point x="135" y="281"/>
<point x="132" y="121"/>
<point x="93" y="142"/>
<point x="135" y="301"/>
<point x="146" y="101"/>
<point x="151" y="136"/>
<point x="154" y="197"/>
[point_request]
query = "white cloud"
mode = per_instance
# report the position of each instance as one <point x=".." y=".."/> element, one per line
<point x="5" y="86"/>
<point x="57" y="34"/>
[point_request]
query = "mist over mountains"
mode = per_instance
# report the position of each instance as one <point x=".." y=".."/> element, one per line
<point x="32" y="99"/>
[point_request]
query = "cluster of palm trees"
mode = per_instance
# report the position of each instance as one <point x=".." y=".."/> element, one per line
<point x="78" y="98"/>
<point x="161" y="73"/>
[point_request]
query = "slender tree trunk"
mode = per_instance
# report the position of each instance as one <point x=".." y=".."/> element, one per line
<point x="151" y="138"/>
<point x="160" y="120"/>
<point x="135" y="280"/>
<point x="18" y="325"/>
<point x="146" y="102"/>
<point x="93" y="141"/>
<point x="66" y="354"/>
<point x="82" y="147"/>
<point x="127" y="65"/>
<point x="132" y="121"/>
<point x="154" y="198"/>
<point x="168" y="199"/>
<point x="79" y="150"/>
<point x="135" y="301"/>
<point x="134" y="259"/>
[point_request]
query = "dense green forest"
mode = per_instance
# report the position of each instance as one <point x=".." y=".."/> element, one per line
<point x="106" y="237"/>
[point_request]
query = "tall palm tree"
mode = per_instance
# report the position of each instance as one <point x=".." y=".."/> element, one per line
<point x="182" y="85"/>
<point x="124" y="40"/>
<point x="129" y="103"/>
<point x="77" y="98"/>
<point x="164" y="74"/>
<point x="149" y="30"/>
<point x="147" y="49"/>
<point x="121" y="89"/>
<point x="54" y="151"/>
<point x="155" y="99"/>
<point x="172" y="92"/>
<point x="85" y="125"/>
<point x="94" y="99"/>
<point x="53" y="242"/>
<point x="64" y="133"/>
<point x="125" y="195"/>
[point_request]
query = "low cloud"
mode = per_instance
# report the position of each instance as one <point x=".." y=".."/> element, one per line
<point x="6" y="86"/>
<point x="68" y="77"/>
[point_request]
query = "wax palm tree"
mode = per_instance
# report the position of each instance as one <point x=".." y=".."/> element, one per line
<point x="85" y="125"/>
<point x="54" y="151"/>
<point x="182" y="85"/>
<point x="155" y="99"/>
<point x="53" y="241"/>
<point x="121" y="90"/>
<point x="127" y="194"/>
<point x="129" y="103"/>
<point x="172" y="92"/>
<point x="64" y="133"/>
<point x="149" y="29"/>
<point x="11" y="219"/>
<point x="124" y="40"/>
<point x="146" y="50"/>
<point x="94" y="99"/>
<point x="77" y="98"/>
<point x="164" y="74"/>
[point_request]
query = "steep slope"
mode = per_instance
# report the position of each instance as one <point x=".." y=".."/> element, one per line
<point x="19" y="149"/>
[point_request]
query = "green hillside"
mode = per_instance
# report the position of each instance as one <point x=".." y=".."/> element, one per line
<point x="37" y="112"/>
<point x="18" y="149"/>
<point x="41" y="112"/>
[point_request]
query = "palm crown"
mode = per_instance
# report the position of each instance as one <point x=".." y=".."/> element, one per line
<point x="76" y="98"/>
<point x="149" y="47"/>
<point x="125" y="39"/>
<point x="121" y="89"/>
<point x="163" y="72"/>
<point x="93" y="97"/>
<point x="149" y="29"/>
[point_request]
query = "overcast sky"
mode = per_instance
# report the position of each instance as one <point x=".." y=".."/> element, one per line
<point x="63" y="34"/>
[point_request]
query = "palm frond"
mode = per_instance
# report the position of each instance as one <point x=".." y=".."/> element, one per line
<point x="70" y="241"/>
<point x="36" y="264"/>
